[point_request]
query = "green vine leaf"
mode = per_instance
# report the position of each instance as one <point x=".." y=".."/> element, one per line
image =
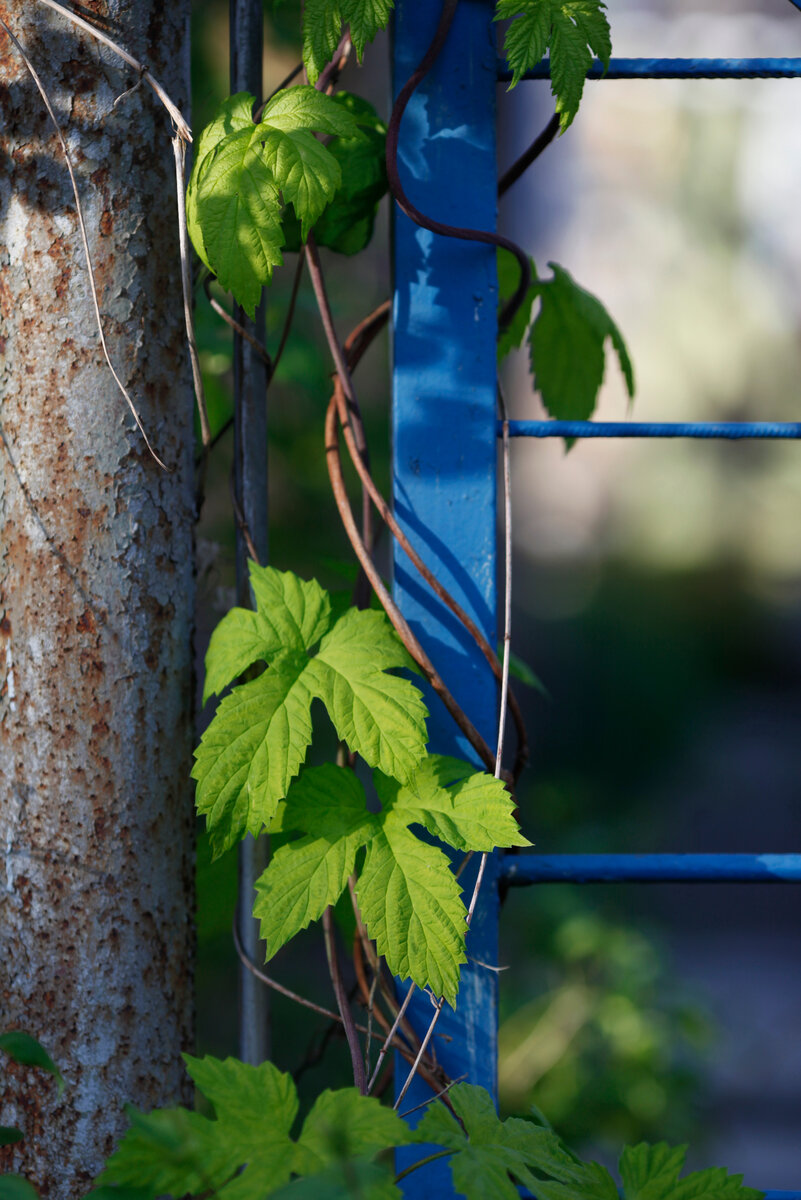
<point x="466" y="809"/>
<point x="345" y="1181"/>
<point x="346" y="225"/>
<point x="567" y="347"/>
<point x="407" y="893"/>
<point x="572" y="30"/>
<point x="26" y="1051"/>
<point x="260" y="733"/>
<point x="247" y="1151"/>
<point x="322" y="28"/>
<point x="487" y="1151"/>
<point x="10" y="1135"/>
<point x="652" y="1173"/>
<point x="244" y="173"/>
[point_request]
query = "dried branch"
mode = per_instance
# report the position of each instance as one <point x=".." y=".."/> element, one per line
<point x="82" y="226"/>
<point x="180" y="122"/>
<point x="179" y="151"/>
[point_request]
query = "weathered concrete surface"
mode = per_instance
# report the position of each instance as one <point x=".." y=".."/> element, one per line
<point x="96" y="583"/>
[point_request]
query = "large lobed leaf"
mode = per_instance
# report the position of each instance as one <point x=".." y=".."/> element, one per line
<point x="572" y="30"/>
<point x="652" y="1173"/>
<point x="261" y="732"/>
<point x="247" y="1151"/>
<point x="407" y="893"/>
<point x="489" y="1154"/>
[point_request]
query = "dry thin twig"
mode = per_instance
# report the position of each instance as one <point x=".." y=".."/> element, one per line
<point x="82" y="226"/>
<point x="180" y="122"/>
<point x="179" y="151"/>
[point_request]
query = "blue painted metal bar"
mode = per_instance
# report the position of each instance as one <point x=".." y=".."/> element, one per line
<point x="735" y="431"/>
<point x="518" y="870"/>
<point x="444" y="458"/>
<point x="677" y="68"/>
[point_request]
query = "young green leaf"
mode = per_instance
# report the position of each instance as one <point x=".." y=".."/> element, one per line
<point x="234" y="114"/>
<point x="344" y="1181"/>
<point x="413" y="909"/>
<point x="567" y="346"/>
<point x="25" y="1050"/>
<point x="346" y="225"/>
<point x="322" y="28"/>
<point x="488" y="1151"/>
<point x="10" y="1135"/>
<point x="407" y="893"/>
<point x="365" y="18"/>
<point x="260" y="733"/>
<point x="247" y="1151"/>
<point x="305" y="108"/>
<point x="344" y="1125"/>
<point x="307" y="875"/>
<point x="652" y="1173"/>
<point x="236" y="206"/>
<point x="243" y="173"/>
<point x="571" y="29"/>
<point x="466" y="809"/>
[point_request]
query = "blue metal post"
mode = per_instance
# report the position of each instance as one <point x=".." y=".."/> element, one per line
<point x="444" y="453"/>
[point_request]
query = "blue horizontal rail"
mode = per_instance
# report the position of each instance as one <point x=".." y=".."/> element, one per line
<point x="677" y="68"/>
<point x="735" y="431"/>
<point x="518" y="870"/>
<point x="768" y="1195"/>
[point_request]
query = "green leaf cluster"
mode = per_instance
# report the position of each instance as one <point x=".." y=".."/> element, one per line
<point x="247" y="1150"/>
<point x="256" y="743"/>
<point x="346" y="225"/>
<point x="323" y="21"/>
<point x="566" y="340"/>
<point x="570" y="31"/>
<point x="407" y="893"/>
<point x="488" y="1154"/>
<point x="261" y="731"/>
<point x="244" y="173"/>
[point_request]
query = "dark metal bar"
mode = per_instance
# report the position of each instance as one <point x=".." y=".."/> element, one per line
<point x="735" y="431"/>
<point x="678" y="68"/>
<point x="250" y="487"/>
<point x="521" y="869"/>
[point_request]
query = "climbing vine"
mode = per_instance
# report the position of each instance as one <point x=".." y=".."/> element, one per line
<point x="305" y="167"/>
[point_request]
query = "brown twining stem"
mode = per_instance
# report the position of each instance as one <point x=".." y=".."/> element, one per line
<point x="404" y="203"/>
<point x="357" y="1061"/>
<point x="268" y="981"/>
<point x="393" y="612"/>
<point x="346" y="420"/>
<point x="343" y="371"/>
<point x="236" y="325"/>
<point x="519" y="167"/>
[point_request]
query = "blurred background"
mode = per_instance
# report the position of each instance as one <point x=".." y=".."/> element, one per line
<point x="657" y="595"/>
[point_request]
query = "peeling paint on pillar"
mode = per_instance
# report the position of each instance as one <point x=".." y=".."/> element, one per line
<point x="96" y="580"/>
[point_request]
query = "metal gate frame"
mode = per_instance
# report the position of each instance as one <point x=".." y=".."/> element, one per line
<point x="444" y="476"/>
